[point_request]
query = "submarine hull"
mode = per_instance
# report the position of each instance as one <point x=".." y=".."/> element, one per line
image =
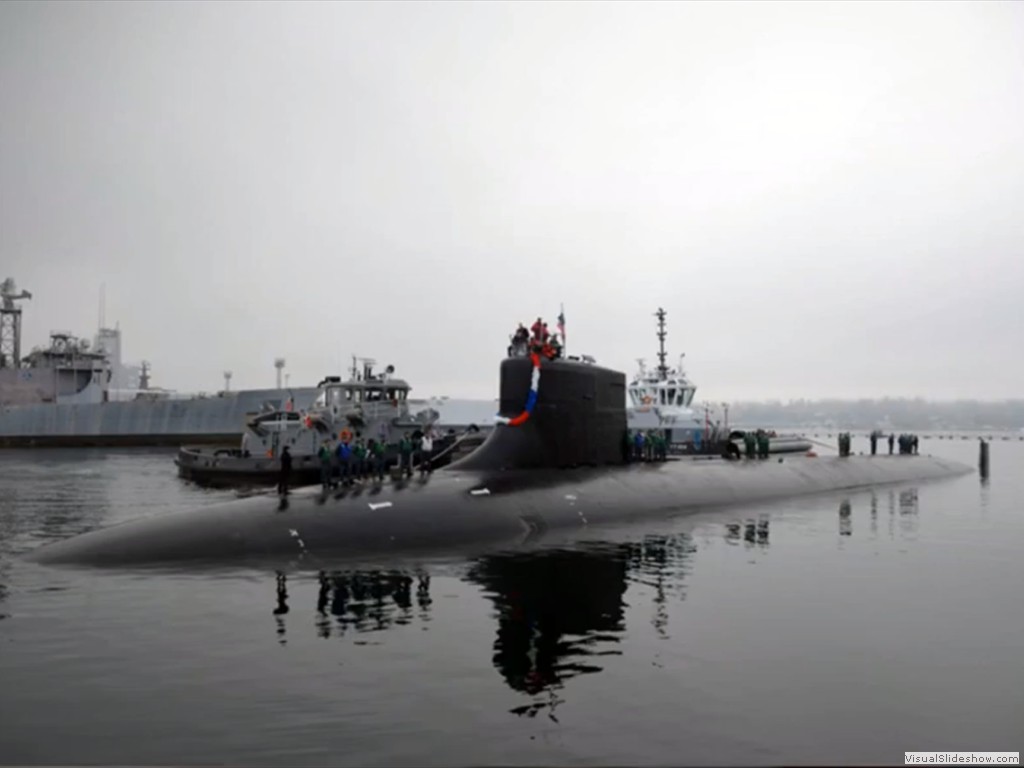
<point x="461" y="508"/>
<point x="557" y="464"/>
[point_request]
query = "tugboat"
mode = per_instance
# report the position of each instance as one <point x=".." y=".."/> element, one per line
<point x="366" y="406"/>
<point x="662" y="400"/>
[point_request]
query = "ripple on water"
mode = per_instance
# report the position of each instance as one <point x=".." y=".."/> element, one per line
<point x="659" y="644"/>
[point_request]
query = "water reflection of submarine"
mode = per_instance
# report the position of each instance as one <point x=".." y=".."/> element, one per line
<point x="558" y="611"/>
<point x="369" y="600"/>
<point x="555" y="609"/>
<point x="561" y="467"/>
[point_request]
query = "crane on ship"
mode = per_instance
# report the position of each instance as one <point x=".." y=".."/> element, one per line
<point x="10" y="323"/>
<point x="7" y="293"/>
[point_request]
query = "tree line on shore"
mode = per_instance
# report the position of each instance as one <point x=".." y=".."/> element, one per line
<point x="896" y="413"/>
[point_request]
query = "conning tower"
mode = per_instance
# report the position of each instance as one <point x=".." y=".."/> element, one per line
<point x="579" y="418"/>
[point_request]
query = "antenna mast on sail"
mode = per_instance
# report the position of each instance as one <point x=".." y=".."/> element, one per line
<point x="662" y="368"/>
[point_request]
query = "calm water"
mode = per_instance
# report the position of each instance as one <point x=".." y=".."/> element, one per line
<point x="858" y="626"/>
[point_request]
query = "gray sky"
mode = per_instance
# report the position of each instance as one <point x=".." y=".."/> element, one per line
<point x="825" y="197"/>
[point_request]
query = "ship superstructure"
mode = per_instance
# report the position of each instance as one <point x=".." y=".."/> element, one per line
<point x="363" y="409"/>
<point x="77" y="392"/>
<point x="67" y="370"/>
<point x="662" y="399"/>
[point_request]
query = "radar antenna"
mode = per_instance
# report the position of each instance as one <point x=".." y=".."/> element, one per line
<point x="367" y="373"/>
<point x="662" y="368"/>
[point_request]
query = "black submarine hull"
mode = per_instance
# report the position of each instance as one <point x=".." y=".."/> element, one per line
<point x="462" y="508"/>
<point x="560" y="469"/>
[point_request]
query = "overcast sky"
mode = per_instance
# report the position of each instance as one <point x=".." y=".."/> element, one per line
<point x="828" y="199"/>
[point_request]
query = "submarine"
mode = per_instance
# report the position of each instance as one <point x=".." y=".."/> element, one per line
<point x="557" y="462"/>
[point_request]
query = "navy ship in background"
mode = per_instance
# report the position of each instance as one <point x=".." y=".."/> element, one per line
<point x="77" y="393"/>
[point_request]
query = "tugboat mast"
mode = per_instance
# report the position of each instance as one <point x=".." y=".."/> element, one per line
<point x="662" y="368"/>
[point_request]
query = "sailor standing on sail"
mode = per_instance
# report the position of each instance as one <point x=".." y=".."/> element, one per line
<point x="520" y="342"/>
<point x="556" y="347"/>
<point x="537" y="331"/>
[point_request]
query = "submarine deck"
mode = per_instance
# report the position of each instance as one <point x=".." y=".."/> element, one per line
<point x="455" y="507"/>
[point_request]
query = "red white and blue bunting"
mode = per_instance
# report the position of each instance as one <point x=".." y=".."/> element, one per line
<point x="531" y="399"/>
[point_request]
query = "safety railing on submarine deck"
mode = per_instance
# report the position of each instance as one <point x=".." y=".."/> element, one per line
<point x="459" y="439"/>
